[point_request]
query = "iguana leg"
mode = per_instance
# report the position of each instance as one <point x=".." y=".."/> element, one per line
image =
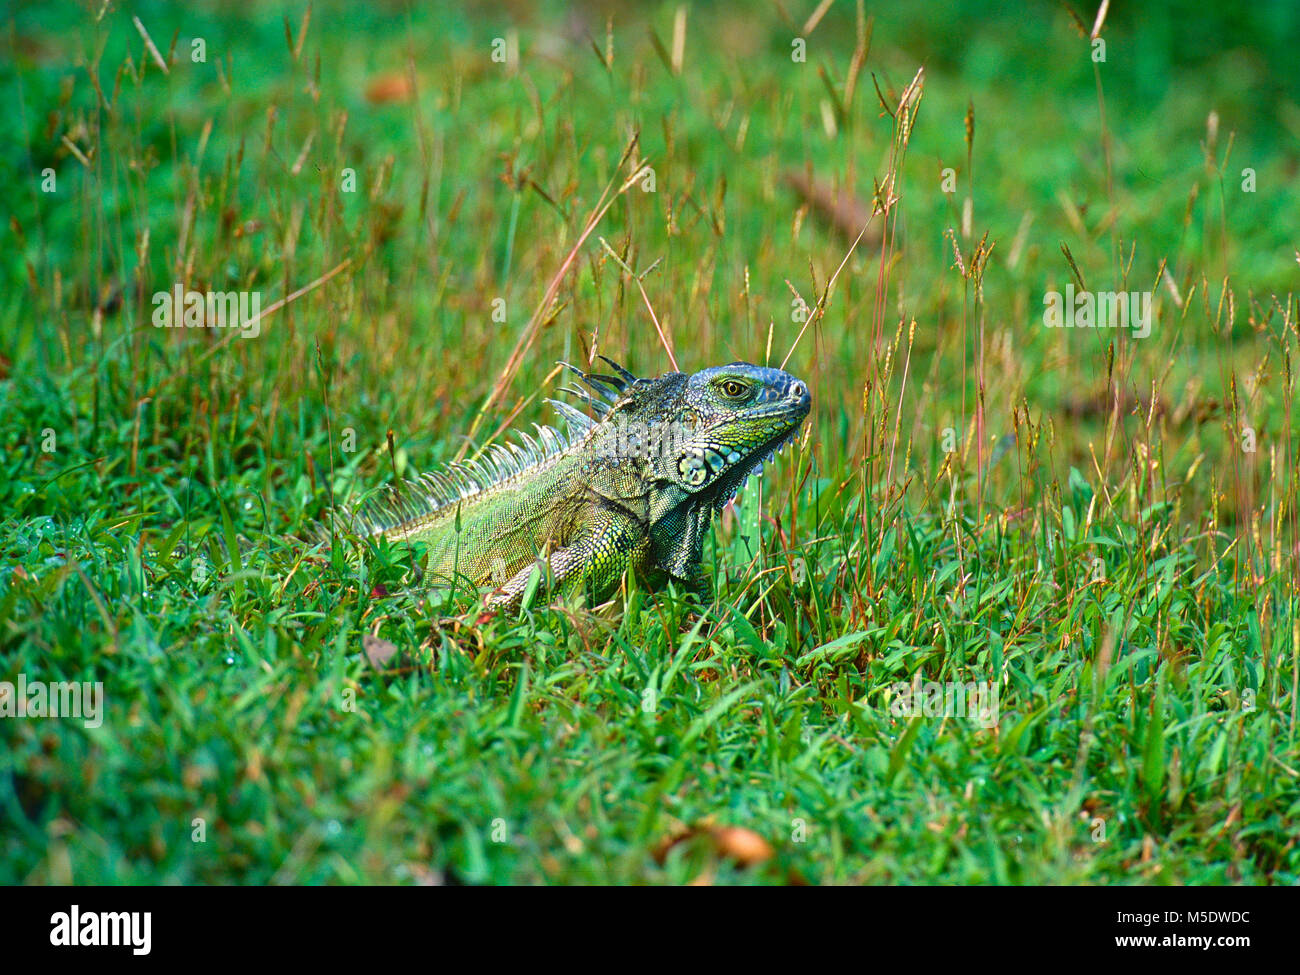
<point x="593" y="562"/>
<point x="563" y="563"/>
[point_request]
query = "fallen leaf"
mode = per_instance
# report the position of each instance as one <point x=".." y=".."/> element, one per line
<point x="737" y="843"/>
<point x="378" y="650"/>
<point x="389" y="88"/>
<point x="744" y="846"/>
<point x="840" y="208"/>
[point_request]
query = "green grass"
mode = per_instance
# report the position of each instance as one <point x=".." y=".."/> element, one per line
<point x="1097" y="544"/>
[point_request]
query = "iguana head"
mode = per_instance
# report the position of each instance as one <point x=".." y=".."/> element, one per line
<point x="701" y="434"/>
<point x="730" y="419"/>
<point x="685" y="444"/>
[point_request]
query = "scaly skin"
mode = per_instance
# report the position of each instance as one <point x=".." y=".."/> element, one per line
<point x="634" y="489"/>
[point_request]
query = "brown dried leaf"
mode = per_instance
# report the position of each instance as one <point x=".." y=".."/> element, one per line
<point x="841" y="209"/>
<point x="389" y="88"/>
<point x="378" y="650"/>
<point x="736" y="843"/>
<point x="744" y="846"/>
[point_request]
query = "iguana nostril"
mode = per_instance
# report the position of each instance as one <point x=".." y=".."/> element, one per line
<point x="798" y="390"/>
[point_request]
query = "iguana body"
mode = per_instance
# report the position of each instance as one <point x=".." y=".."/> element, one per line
<point x="633" y="489"/>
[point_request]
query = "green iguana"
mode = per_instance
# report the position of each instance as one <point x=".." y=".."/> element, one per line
<point x="635" y="488"/>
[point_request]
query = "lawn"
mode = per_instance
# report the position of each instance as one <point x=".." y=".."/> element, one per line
<point x="1093" y="528"/>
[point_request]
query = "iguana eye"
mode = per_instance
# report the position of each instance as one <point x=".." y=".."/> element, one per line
<point x="734" y="388"/>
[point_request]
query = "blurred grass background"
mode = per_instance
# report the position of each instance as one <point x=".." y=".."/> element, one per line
<point x="473" y="181"/>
